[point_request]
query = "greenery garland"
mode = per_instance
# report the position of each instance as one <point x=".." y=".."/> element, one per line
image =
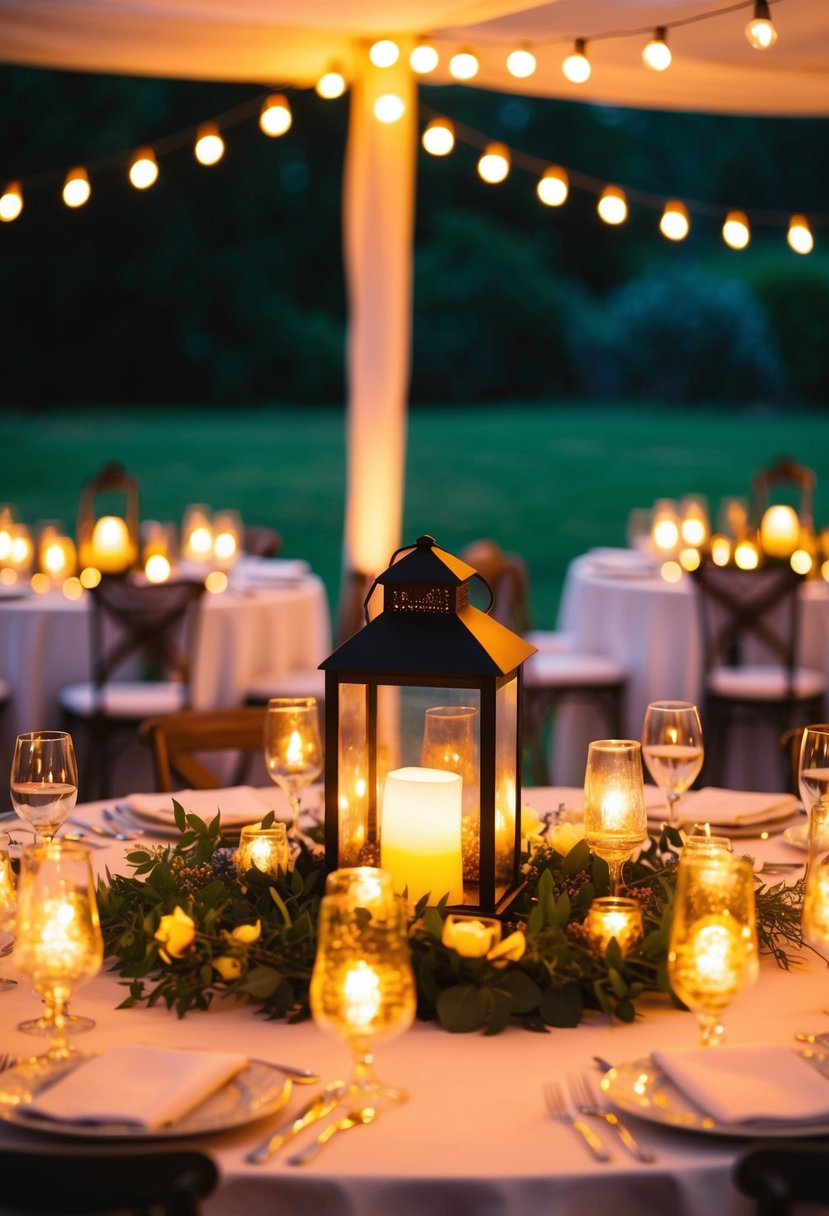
<point x="184" y="929"/>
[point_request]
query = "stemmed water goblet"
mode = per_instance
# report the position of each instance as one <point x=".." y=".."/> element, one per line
<point x="292" y="747"/>
<point x="615" y="821"/>
<point x="362" y="986"/>
<point x="712" y="952"/>
<point x="672" y="748"/>
<point x="44" y="779"/>
<point x="813" y="766"/>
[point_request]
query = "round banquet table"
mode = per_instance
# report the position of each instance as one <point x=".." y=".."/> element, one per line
<point x="44" y="646"/>
<point x="473" y="1139"/>
<point x="652" y="628"/>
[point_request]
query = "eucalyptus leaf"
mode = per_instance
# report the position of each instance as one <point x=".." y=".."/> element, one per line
<point x="461" y="1009"/>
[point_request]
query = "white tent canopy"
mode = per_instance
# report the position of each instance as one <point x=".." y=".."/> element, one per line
<point x="292" y="42"/>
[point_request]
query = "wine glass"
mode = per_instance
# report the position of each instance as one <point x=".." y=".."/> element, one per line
<point x="293" y="752"/>
<point x="362" y="986"/>
<point x="712" y="952"/>
<point x="615" y="821"/>
<point x="813" y="767"/>
<point x="44" y="779"/>
<point x="59" y="942"/>
<point x="8" y="907"/>
<point x="672" y="747"/>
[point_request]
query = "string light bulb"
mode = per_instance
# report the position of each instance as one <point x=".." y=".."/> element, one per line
<point x="799" y="235"/>
<point x="439" y="137"/>
<point x="210" y="147"/>
<point x="494" y="165"/>
<point x="553" y="186"/>
<point x="11" y="202"/>
<point x="521" y="63"/>
<point x="76" y="187"/>
<point x="464" y="66"/>
<point x="675" y="223"/>
<point x="275" y="117"/>
<point x="612" y="205"/>
<point x="389" y="108"/>
<point x="384" y="54"/>
<point x="735" y="231"/>
<point x="656" y="54"/>
<point x="760" y="30"/>
<point x="143" y="170"/>
<point x="331" y="85"/>
<point x="423" y="58"/>
<point x="576" y="67"/>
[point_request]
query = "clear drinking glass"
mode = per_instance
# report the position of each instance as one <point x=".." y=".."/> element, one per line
<point x="615" y="822"/>
<point x="8" y="907"/>
<point x="815" y="916"/>
<point x="293" y="751"/>
<point x="44" y="779"/>
<point x="813" y="767"/>
<point x="712" y="952"/>
<point x="59" y="942"/>
<point x="362" y="986"/>
<point x="672" y="748"/>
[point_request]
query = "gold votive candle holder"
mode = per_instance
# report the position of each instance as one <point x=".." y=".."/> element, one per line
<point x="262" y="849"/>
<point x="471" y="936"/>
<point x="612" y="916"/>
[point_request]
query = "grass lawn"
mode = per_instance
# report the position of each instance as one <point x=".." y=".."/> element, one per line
<point x="546" y="480"/>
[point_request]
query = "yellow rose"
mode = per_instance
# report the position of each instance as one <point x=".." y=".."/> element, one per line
<point x="229" y="968"/>
<point x="469" y="937"/>
<point x="175" y="932"/>
<point x="565" y="836"/>
<point x="247" y="934"/>
<point x="511" y="949"/>
<point x="532" y="825"/>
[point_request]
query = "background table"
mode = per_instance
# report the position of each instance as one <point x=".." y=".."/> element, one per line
<point x="473" y="1140"/>
<point x="653" y="629"/>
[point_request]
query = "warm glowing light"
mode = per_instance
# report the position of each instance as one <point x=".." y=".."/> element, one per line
<point x="143" y="171"/>
<point x="824" y="570"/>
<point x="424" y="59"/>
<point x="612" y="205"/>
<point x="780" y="530"/>
<point x="110" y="545"/>
<point x="493" y="166"/>
<point x="553" y="186"/>
<point x="275" y="116"/>
<point x="463" y="66"/>
<point x="384" y="54"/>
<point x="41" y="583"/>
<point x="158" y="568"/>
<point x="666" y="534"/>
<point x="76" y="188"/>
<point x="200" y="542"/>
<point x="746" y="555"/>
<point x="720" y="550"/>
<point x="266" y="849"/>
<point x="216" y="582"/>
<point x="90" y="577"/>
<point x="210" y="147"/>
<point x="735" y="230"/>
<point x="801" y="561"/>
<point x="693" y="531"/>
<point x="576" y="67"/>
<point x="389" y="108"/>
<point x="21" y="548"/>
<point x="11" y="202"/>
<point x="675" y="224"/>
<point x="362" y="995"/>
<point x="799" y="235"/>
<point x="58" y="556"/>
<point x="72" y="588"/>
<point x="689" y="559"/>
<point x="225" y="546"/>
<point x="521" y="63"/>
<point x="656" y="54"/>
<point x="670" y="572"/>
<point x="760" y="30"/>
<point x="330" y="85"/>
<point x="9" y="577"/>
<point x="439" y="137"/>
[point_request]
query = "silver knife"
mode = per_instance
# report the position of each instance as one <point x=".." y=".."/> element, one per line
<point x="312" y="1112"/>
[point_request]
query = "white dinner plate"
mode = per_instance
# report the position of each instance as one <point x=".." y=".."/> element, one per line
<point x="797" y="835"/>
<point x="258" y="1090"/>
<point x="641" y="1088"/>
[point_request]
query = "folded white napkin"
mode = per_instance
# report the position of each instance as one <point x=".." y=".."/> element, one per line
<point x="144" y="1087"/>
<point x="748" y="1084"/>
<point x="734" y="808"/>
<point x="251" y="572"/>
<point x="239" y="804"/>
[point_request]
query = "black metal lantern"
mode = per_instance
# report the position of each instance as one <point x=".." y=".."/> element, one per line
<point x="423" y="738"/>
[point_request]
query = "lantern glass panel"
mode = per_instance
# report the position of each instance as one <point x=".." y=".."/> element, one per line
<point x="506" y="785"/>
<point x="357" y="829"/>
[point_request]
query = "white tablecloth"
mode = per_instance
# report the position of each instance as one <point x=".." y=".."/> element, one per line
<point x="473" y="1139"/>
<point x="653" y="629"/>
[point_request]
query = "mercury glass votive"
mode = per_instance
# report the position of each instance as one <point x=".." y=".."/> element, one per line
<point x="614" y="917"/>
<point x="262" y="849"/>
<point x="471" y="936"/>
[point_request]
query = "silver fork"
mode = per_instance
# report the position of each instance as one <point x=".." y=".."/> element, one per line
<point x="6" y="1061"/>
<point x="586" y="1101"/>
<point x="557" y="1108"/>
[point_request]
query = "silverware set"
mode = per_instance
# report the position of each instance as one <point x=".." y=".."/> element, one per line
<point x="319" y="1108"/>
<point x="567" y="1105"/>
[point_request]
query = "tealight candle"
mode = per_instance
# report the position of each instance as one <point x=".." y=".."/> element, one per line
<point x="227" y="537"/>
<point x="665" y="527"/>
<point x="615" y="821"/>
<point x="615" y="917"/>
<point x="780" y="531"/>
<point x="111" y="550"/>
<point x="197" y="534"/>
<point x="56" y="555"/>
<point x="421" y="833"/>
<point x="263" y="849"/>
<point x="471" y="936"/>
<point x="21" y="550"/>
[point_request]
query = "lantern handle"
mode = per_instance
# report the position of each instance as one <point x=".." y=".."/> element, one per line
<point x="488" y="586"/>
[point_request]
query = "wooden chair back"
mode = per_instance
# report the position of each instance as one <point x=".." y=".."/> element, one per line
<point x="152" y="623"/>
<point x="507" y="575"/>
<point x="779" y="1174"/>
<point x="784" y="471"/>
<point x="178" y="741"/>
<point x="261" y="541"/>
<point x="83" y="1181"/>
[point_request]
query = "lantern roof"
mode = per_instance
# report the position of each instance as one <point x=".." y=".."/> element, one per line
<point x="427" y="562"/>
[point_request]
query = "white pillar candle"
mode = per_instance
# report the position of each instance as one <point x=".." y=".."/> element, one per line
<point x="421" y="833"/>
